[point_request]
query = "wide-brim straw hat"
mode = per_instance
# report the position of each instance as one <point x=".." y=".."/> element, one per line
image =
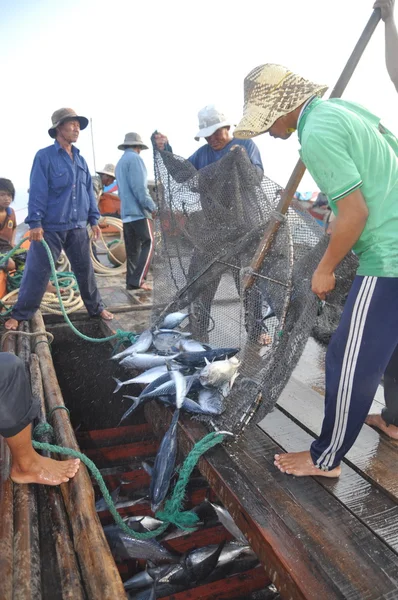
<point x="65" y="114"/>
<point x="272" y="91"/>
<point x="109" y="169"/>
<point x="132" y="139"/>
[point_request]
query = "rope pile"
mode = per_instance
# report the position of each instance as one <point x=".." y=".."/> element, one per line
<point x="99" y="268"/>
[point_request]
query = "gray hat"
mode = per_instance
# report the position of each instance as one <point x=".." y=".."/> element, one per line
<point x="109" y="169"/>
<point x="132" y="139"/>
<point x="64" y="114"/>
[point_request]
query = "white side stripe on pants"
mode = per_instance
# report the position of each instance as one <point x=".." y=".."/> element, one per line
<point x="358" y="321"/>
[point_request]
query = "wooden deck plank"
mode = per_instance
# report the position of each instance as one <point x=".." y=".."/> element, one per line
<point x="107" y="437"/>
<point x="376" y="510"/>
<point x="373" y="455"/>
<point x="310" y="545"/>
<point x="121" y="454"/>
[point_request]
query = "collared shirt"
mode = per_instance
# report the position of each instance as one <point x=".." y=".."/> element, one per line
<point x="132" y="180"/>
<point x="345" y="148"/>
<point x="61" y="195"/>
<point x="205" y="155"/>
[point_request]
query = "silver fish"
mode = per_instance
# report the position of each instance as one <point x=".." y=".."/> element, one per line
<point x="124" y="547"/>
<point x="147" y="522"/>
<point x="218" y="373"/>
<point x="230" y="552"/>
<point x="191" y="346"/>
<point x="102" y="505"/>
<point x="148" y="376"/>
<point x="165" y="341"/>
<point x="142" y="344"/>
<point x="211" y="401"/>
<point x="225" y="519"/>
<point x="169" y="387"/>
<point x="138" y="581"/>
<point x="142" y="362"/>
<point x="166" y="456"/>
<point x="173" y="320"/>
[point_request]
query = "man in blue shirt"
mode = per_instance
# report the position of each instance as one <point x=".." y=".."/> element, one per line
<point x="215" y="129"/>
<point x="137" y="209"/>
<point x="61" y="204"/>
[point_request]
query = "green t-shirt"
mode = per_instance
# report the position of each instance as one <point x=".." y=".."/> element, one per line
<point x="345" y="148"/>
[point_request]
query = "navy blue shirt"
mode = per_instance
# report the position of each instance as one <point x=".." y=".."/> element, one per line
<point x="61" y="195"/>
<point x="206" y="155"/>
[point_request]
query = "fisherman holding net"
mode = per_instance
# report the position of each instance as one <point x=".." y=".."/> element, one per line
<point x="219" y="218"/>
<point x="353" y="159"/>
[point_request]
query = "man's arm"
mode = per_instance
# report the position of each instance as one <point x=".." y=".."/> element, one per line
<point x="38" y="197"/>
<point x="93" y="212"/>
<point x="346" y="230"/>
<point x="391" y="37"/>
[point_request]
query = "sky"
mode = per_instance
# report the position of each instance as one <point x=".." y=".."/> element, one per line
<point x="141" y="66"/>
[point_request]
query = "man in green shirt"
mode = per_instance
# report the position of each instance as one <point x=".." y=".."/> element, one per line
<point x="354" y="161"/>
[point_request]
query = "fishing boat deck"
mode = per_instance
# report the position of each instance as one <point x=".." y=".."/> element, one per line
<point x="317" y="538"/>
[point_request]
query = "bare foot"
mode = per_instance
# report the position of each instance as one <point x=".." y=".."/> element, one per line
<point x="46" y="471"/>
<point x="11" y="324"/>
<point x="264" y="339"/>
<point x="378" y="422"/>
<point x="300" y="464"/>
<point x="106" y="315"/>
<point x="146" y="287"/>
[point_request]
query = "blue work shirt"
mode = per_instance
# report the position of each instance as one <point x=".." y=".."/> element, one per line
<point x="61" y="195"/>
<point x="206" y="155"/>
<point x="135" y="199"/>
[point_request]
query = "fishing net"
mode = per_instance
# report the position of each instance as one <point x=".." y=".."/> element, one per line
<point x="210" y="224"/>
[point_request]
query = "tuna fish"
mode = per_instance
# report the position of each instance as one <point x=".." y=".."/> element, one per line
<point x="142" y="362"/>
<point x="168" y="388"/>
<point x="191" y="346"/>
<point x="211" y="401"/>
<point x="200" y="359"/>
<point x="173" y="320"/>
<point x="124" y="547"/>
<point x="142" y="344"/>
<point x="166" y="456"/>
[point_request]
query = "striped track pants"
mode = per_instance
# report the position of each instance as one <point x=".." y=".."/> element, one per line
<point x="357" y="357"/>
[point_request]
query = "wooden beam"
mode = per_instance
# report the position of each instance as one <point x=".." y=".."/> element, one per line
<point x="100" y="575"/>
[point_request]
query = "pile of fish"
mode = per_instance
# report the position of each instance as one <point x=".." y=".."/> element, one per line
<point x="181" y="373"/>
<point x="209" y="373"/>
<point x="169" y="573"/>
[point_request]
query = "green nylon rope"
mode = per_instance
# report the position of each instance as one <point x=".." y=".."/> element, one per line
<point x="120" y="334"/>
<point x="172" y="513"/>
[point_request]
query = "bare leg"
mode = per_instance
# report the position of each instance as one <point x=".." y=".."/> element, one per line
<point x="30" y="467"/>
<point x="301" y="464"/>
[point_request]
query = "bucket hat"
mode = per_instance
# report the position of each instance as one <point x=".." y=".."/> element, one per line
<point x="132" y="139"/>
<point x="210" y="119"/>
<point x="64" y="114"/>
<point x="272" y="91"/>
<point x="109" y="169"/>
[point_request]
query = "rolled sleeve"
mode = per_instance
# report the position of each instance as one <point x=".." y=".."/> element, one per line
<point x="326" y="156"/>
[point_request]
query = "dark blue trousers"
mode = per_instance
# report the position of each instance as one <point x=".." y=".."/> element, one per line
<point x="358" y="354"/>
<point x="37" y="272"/>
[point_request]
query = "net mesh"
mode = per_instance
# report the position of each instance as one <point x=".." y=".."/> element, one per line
<point x="210" y="224"/>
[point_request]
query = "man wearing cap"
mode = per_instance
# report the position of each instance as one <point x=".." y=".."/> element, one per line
<point x="106" y="191"/>
<point x="353" y="159"/>
<point x="215" y="129"/>
<point x="137" y="210"/>
<point x="61" y="204"/>
<point x="391" y="37"/>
